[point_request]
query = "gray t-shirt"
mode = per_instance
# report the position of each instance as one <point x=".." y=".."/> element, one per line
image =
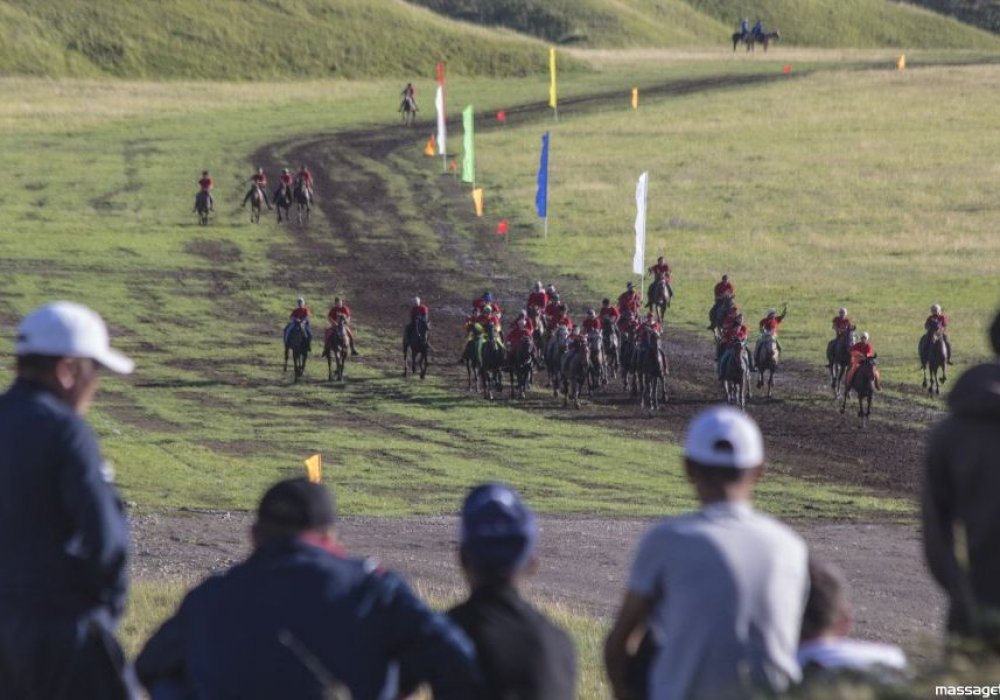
<point x="729" y="586"/>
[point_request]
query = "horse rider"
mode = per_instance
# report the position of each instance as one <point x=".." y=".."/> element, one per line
<point x="769" y="324"/>
<point x="552" y="309"/>
<point x="841" y="323"/>
<point x="758" y="29"/>
<point x="608" y="314"/>
<point x="939" y="320"/>
<point x="538" y="298"/>
<point x="419" y="309"/>
<point x="286" y="178"/>
<point x="258" y="181"/>
<point x="723" y="290"/>
<point x="408" y="93"/>
<point x="529" y="325"/>
<point x="629" y="299"/>
<point x="304" y="179"/>
<point x="627" y="323"/>
<point x="518" y="335"/>
<point x="487" y="298"/>
<point x="661" y="268"/>
<point x="734" y="339"/>
<point x="745" y="28"/>
<point x="591" y="322"/>
<point x="206" y="183"/>
<point x="562" y="318"/>
<point x="338" y="310"/>
<point x="302" y="314"/>
<point x="860" y="351"/>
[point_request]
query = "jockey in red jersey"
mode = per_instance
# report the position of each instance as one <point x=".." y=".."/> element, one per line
<point x="408" y="93"/>
<point x="258" y="181"/>
<point x="649" y="324"/>
<point x="304" y="178"/>
<point x="627" y="323"/>
<point x="629" y="299"/>
<point x="419" y="309"/>
<point x="734" y="338"/>
<point x="939" y="320"/>
<point x="552" y="309"/>
<point x="661" y="268"/>
<point x="301" y="313"/>
<point x="724" y="288"/>
<point x="286" y="177"/>
<point x="841" y="323"/>
<point x="562" y="319"/>
<point x="608" y="313"/>
<point x="731" y="315"/>
<point x="538" y="298"/>
<point x="259" y="178"/>
<point x="860" y="351"/>
<point x="518" y="335"/>
<point x="486" y="299"/>
<point x="529" y="325"/>
<point x="339" y="309"/>
<point x="206" y="184"/>
<point x="591" y="322"/>
<point x="769" y="324"/>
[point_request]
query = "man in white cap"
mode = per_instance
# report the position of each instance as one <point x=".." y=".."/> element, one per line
<point x="63" y="532"/>
<point x="721" y="589"/>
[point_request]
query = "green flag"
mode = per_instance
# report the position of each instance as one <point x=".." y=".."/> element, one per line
<point x="468" y="147"/>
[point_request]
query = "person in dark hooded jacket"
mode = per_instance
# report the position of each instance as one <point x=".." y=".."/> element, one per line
<point x="961" y="488"/>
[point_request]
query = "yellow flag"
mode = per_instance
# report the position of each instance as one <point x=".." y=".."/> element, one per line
<point x="552" y="78"/>
<point x="314" y="469"/>
<point x="431" y="148"/>
<point x="901" y="62"/>
<point x="477" y="198"/>
<point x="635" y="98"/>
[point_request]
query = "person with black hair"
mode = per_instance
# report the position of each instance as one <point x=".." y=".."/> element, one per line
<point x="721" y="589"/>
<point x="300" y="619"/>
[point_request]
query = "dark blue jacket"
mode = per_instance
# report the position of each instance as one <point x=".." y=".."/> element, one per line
<point x="63" y="532"/>
<point x="353" y="620"/>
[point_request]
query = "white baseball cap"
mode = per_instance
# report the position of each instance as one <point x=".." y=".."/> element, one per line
<point x="68" y="329"/>
<point x="724" y="437"/>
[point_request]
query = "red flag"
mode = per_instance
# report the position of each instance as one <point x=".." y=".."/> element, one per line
<point x="786" y="69"/>
<point x="502" y="227"/>
<point x="440" y="73"/>
<point x="501" y="116"/>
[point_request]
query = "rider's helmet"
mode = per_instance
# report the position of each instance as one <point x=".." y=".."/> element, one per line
<point x="551" y="289"/>
<point x="771" y="312"/>
<point x="523" y="314"/>
<point x="300" y="301"/>
<point x="487" y="296"/>
<point x="487" y="309"/>
<point x="336" y="301"/>
<point x="285" y="171"/>
<point x="538" y="286"/>
<point x="842" y="312"/>
<point x="650" y="318"/>
<point x="521" y="323"/>
<point x="204" y="173"/>
<point x="865" y="336"/>
<point x="416" y="301"/>
<point x="591" y="313"/>
<point x="605" y="302"/>
<point x="936" y="309"/>
<point x="738" y="318"/>
<point x="725" y="278"/>
<point x="260" y="171"/>
<point x="659" y="259"/>
<point x="555" y="296"/>
<point x="561" y="307"/>
<point x="628" y="285"/>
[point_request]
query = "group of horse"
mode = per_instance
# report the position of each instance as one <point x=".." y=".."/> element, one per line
<point x="751" y="39"/>
<point x="285" y="196"/>
<point x="335" y="347"/>
<point x="735" y="363"/>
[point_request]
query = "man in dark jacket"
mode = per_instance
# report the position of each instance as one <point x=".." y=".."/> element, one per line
<point x="300" y="619"/>
<point x="63" y="533"/>
<point x="960" y="514"/>
<point x="522" y="655"/>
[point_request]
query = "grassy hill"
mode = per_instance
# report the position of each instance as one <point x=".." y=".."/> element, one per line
<point x="981" y="13"/>
<point x="250" y="39"/>
<point x="822" y="23"/>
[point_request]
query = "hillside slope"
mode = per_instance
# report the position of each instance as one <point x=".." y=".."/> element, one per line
<point x="250" y="39"/>
<point x="980" y="13"/>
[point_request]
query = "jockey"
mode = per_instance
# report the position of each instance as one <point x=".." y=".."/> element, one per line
<point x="258" y="181"/>
<point x="758" y="28"/>
<point x="300" y="313"/>
<point x="419" y="309"/>
<point x="528" y="324"/>
<point x="769" y="324"/>
<point x="538" y="298"/>
<point x="627" y="323"/>
<point x="734" y="338"/>
<point x="841" y="323"/>
<point x="408" y="93"/>
<point x="723" y="290"/>
<point x="745" y="27"/>
<point x="562" y="319"/>
<point x="206" y="183"/>
<point x="591" y="322"/>
<point x="860" y="351"/>
<point x="305" y="179"/>
<point x="609" y="313"/>
<point x="649" y="324"/>
<point x="518" y="335"/>
<point x="941" y="321"/>
<point x="629" y="299"/>
<point x="552" y="309"/>
<point x="339" y="309"/>
<point x="486" y="299"/>
<point x="286" y="177"/>
<point x="662" y="267"/>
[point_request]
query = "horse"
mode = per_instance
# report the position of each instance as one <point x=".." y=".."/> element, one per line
<point x="335" y="350"/>
<point x="415" y="342"/>
<point x="765" y="39"/>
<point x="627" y="362"/>
<point x="611" y="341"/>
<point x="652" y="370"/>
<point x="838" y="358"/>
<point x="494" y="356"/>
<point x="282" y="201"/>
<point x="297" y="344"/>
<point x="863" y="384"/>
<point x="659" y="298"/>
<point x="737" y="38"/>
<point x="554" y="352"/>
<point x="575" y="370"/>
<point x="256" y="202"/>
<point x="302" y="201"/>
<point x="736" y="377"/>
<point x="933" y="354"/>
<point x="766" y="359"/>
<point x="472" y="357"/>
<point x="408" y="110"/>
<point x="717" y="314"/>
<point x="201" y="205"/>
<point x="520" y="367"/>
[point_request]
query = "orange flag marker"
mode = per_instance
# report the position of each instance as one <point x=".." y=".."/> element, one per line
<point x="477" y="199"/>
<point x="431" y="148"/>
<point x="314" y="469"/>
<point x="502" y="227"/>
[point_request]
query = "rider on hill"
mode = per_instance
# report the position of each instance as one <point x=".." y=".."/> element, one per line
<point x="286" y="178"/>
<point x="629" y="299"/>
<point x="860" y="351"/>
<point x="841" y="323"/>
<point x="339" y="309"/>
<point x="258" y="181"/>
<point x="939" y="320"/>
<point x="662" y="267"/>
<point x="723" y="290"/>
<point x="769" y="324"/>
<point x="300" y="313"/>
<point x="304" y="179"/>
<point x="758" y="29"/>
<point x="520" y="334"/>
<point x="538" y="298"/>
<point x="562" y="319"/>
<point x="608" y="313"/>
<point x="552" y="309"/>
<point x="408" y="93"/>
<point x="529" y="325"/>
<point x="734" y="338"/>
<point x="420" y="309"/>
<point x="649" y="324"/>
<point x="487" y="299"/>
<point x="591" y="322"/>
<point x="206" y="183"/>
<point x="745" y="27"/>
<point x="628" y="323"/>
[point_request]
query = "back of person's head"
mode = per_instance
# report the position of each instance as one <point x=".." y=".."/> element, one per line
<point x="498" y="533"/>
<point x="995" y="334"/>
<point x="723" y="445"/>
<point x="827" y="610"/>
<point x="293" y="507"/>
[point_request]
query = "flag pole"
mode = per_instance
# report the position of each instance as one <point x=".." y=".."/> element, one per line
<point x="545" y="224"/>
<point x="645" y="211"/>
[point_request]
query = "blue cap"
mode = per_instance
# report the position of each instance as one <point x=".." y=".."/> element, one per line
<point x="499" y="531"/>
<point x="487" y="296"/>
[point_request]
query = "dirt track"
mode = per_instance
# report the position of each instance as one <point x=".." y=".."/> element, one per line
<point x="585" y="558"/>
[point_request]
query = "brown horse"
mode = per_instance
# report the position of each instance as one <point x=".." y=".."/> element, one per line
<point x="520" y="367"/>
<point x="933" y="354"/>
<point x="575" y="368"/>
<point x="415" y="344"/>
<point x="736" y="377"/>
<point x="335" y="350"/>
<point x="863" y="384"/>
<point x="766" y="358"/>
<point x="297" y="344"/>
<point x="838" y="358"/>
<point x="763" y="39"/>
<point x="652" y="370"/>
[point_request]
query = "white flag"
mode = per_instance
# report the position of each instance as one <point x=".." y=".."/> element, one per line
<point x="442" y="130"/>
<point x="638" y="262"/>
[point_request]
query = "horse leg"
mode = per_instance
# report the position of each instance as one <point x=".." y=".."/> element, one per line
<point x="770" y="382"/>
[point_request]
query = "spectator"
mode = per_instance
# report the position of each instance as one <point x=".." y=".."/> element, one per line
<point x="723" y="588"/>
<point x="523" y="656"/>
<point x="961" y="521"/>
<point x="300" y="619"/>
<point x="63" y="532"/>
<point x="824" y="647"/>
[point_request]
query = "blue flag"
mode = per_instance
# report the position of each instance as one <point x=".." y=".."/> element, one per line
<point x="542" y="195"/>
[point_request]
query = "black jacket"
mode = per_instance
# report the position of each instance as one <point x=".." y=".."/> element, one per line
<point x="522" y="655"/>
<point x="962" y="488"/>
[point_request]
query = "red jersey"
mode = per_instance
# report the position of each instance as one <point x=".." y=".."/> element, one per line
<point x="286" y="179"/>
<point x="563" y="320"/>
<point x="590" y="324"/>
<point x="661" y="269"/>
<point x="724" y="289"/>
<point x="335" y="311"/>
<point x="552" y="310"/>
<point x="539" y="299"/>
<point x="771" y="323"/>
<point x="301" y="312"/>
<point x="420" y="310"/>
<point x="517" y="336"/>
<point x="629" y="301"/>
<point x="259" y="179"/>
<point x="306" y="177"/>
<point x="529" y="325"/>
<point x="206" y="183"/>
<point x="609" y="314"/>
<point x="940" y="319"/>
<point x="862" y="348"/>
<point x="735" y="335"/>
<point x="627" y="324"/>
<point x="841" y="325"/>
